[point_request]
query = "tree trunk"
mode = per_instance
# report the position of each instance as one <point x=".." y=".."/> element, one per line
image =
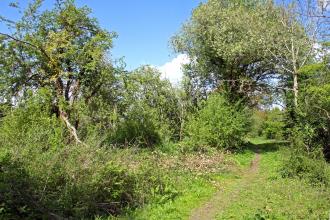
<point x="70" y="127"/>
<point x="64" y="115"/>
<point x="295" y="89"/>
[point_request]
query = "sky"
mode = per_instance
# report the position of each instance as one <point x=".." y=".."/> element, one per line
<point x="144" y="28"/>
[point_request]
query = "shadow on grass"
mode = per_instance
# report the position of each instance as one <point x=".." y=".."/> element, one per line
<point x="264" y="146"/>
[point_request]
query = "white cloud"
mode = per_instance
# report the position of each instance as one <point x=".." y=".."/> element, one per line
<point x="173" y="70"/>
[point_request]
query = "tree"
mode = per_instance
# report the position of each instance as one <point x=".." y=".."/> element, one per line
<point x="148" y="109"/>
<point x="296" y="38"/>
<point x="63" y="50"/>
<point x="227" y="43"/>
<point x="314" y="110"/>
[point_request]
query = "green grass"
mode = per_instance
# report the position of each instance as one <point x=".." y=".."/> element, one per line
<point x="243" y="158"/>
<point x="260" y="144"/>
<point x="269" y="196"/>
<point x="195" y="192"/>
<point x="264" y="196"/>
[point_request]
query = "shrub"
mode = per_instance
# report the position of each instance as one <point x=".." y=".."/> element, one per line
<point x="218" y="124"/>
<point x="72" y="182"/>
<point x="15" y="189"/>
<point x="306" y="161"/>
<point x="316" y="171"/>
<point x="314" y="103"/>
<point x="139" y="128"/>
<point x="148" y="111"/>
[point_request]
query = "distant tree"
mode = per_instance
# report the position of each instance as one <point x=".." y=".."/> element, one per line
<point x="296" y="40"/>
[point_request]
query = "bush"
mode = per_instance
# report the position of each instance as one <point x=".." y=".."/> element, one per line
<point x="314" y="103"/>
<point x="15" y="189"/>
<point x="305" y="161"/>
<point x="316" y="171"/>
<point x="218" y="124"/>
<point x="72" y="182"/>
<point x="32" y="127"/>
<point x="139" y="128"/>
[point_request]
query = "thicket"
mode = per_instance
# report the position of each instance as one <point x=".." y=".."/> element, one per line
<point x="147" y="112"/>
<point x="307" y="165"/>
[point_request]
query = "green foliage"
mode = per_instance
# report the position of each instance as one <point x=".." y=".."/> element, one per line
<point x="257" y="120"/>
<point x="306" y="159"/>
<point x="218" y="124"/>
<point x="268" y="124"/>
<point x="42" y="176"/>
<point x="273" y="126"/>
<point x="138" y="129"/>
<point x="67" y="113"/>
<point x="15" y="187"/>
<point x="77" y="187"/>
<point x="229" y="42"/>
<point x="62" y="49"/>
<point x="310" y="135"/>
<point x="148" y="113"/>
<point x="66" y="184"/>
<point x="32" y="126"/>
<point x="314" y="109"/>
<point x="302" y="166"/>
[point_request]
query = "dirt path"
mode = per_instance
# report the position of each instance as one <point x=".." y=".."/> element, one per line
<point x="228" y="194"/>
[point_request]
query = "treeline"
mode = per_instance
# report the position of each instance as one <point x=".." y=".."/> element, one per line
<point x="67" y="106"/>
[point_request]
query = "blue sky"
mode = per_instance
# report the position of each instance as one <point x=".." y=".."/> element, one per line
<point x="144" y="26"/>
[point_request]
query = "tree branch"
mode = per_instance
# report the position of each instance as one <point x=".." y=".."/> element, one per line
<point x="25" y="42"/>
<point x="70" y="127"/>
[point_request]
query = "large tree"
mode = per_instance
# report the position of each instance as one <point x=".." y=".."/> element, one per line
<point x="244" y="48"/>
<point x="62" y="49"/>
<point x="226" y="41"/>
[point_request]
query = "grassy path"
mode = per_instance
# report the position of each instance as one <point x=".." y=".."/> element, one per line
<point x="260" y="192"/>
<point x="254" y="191"/>
<point x="227" y="194"/>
